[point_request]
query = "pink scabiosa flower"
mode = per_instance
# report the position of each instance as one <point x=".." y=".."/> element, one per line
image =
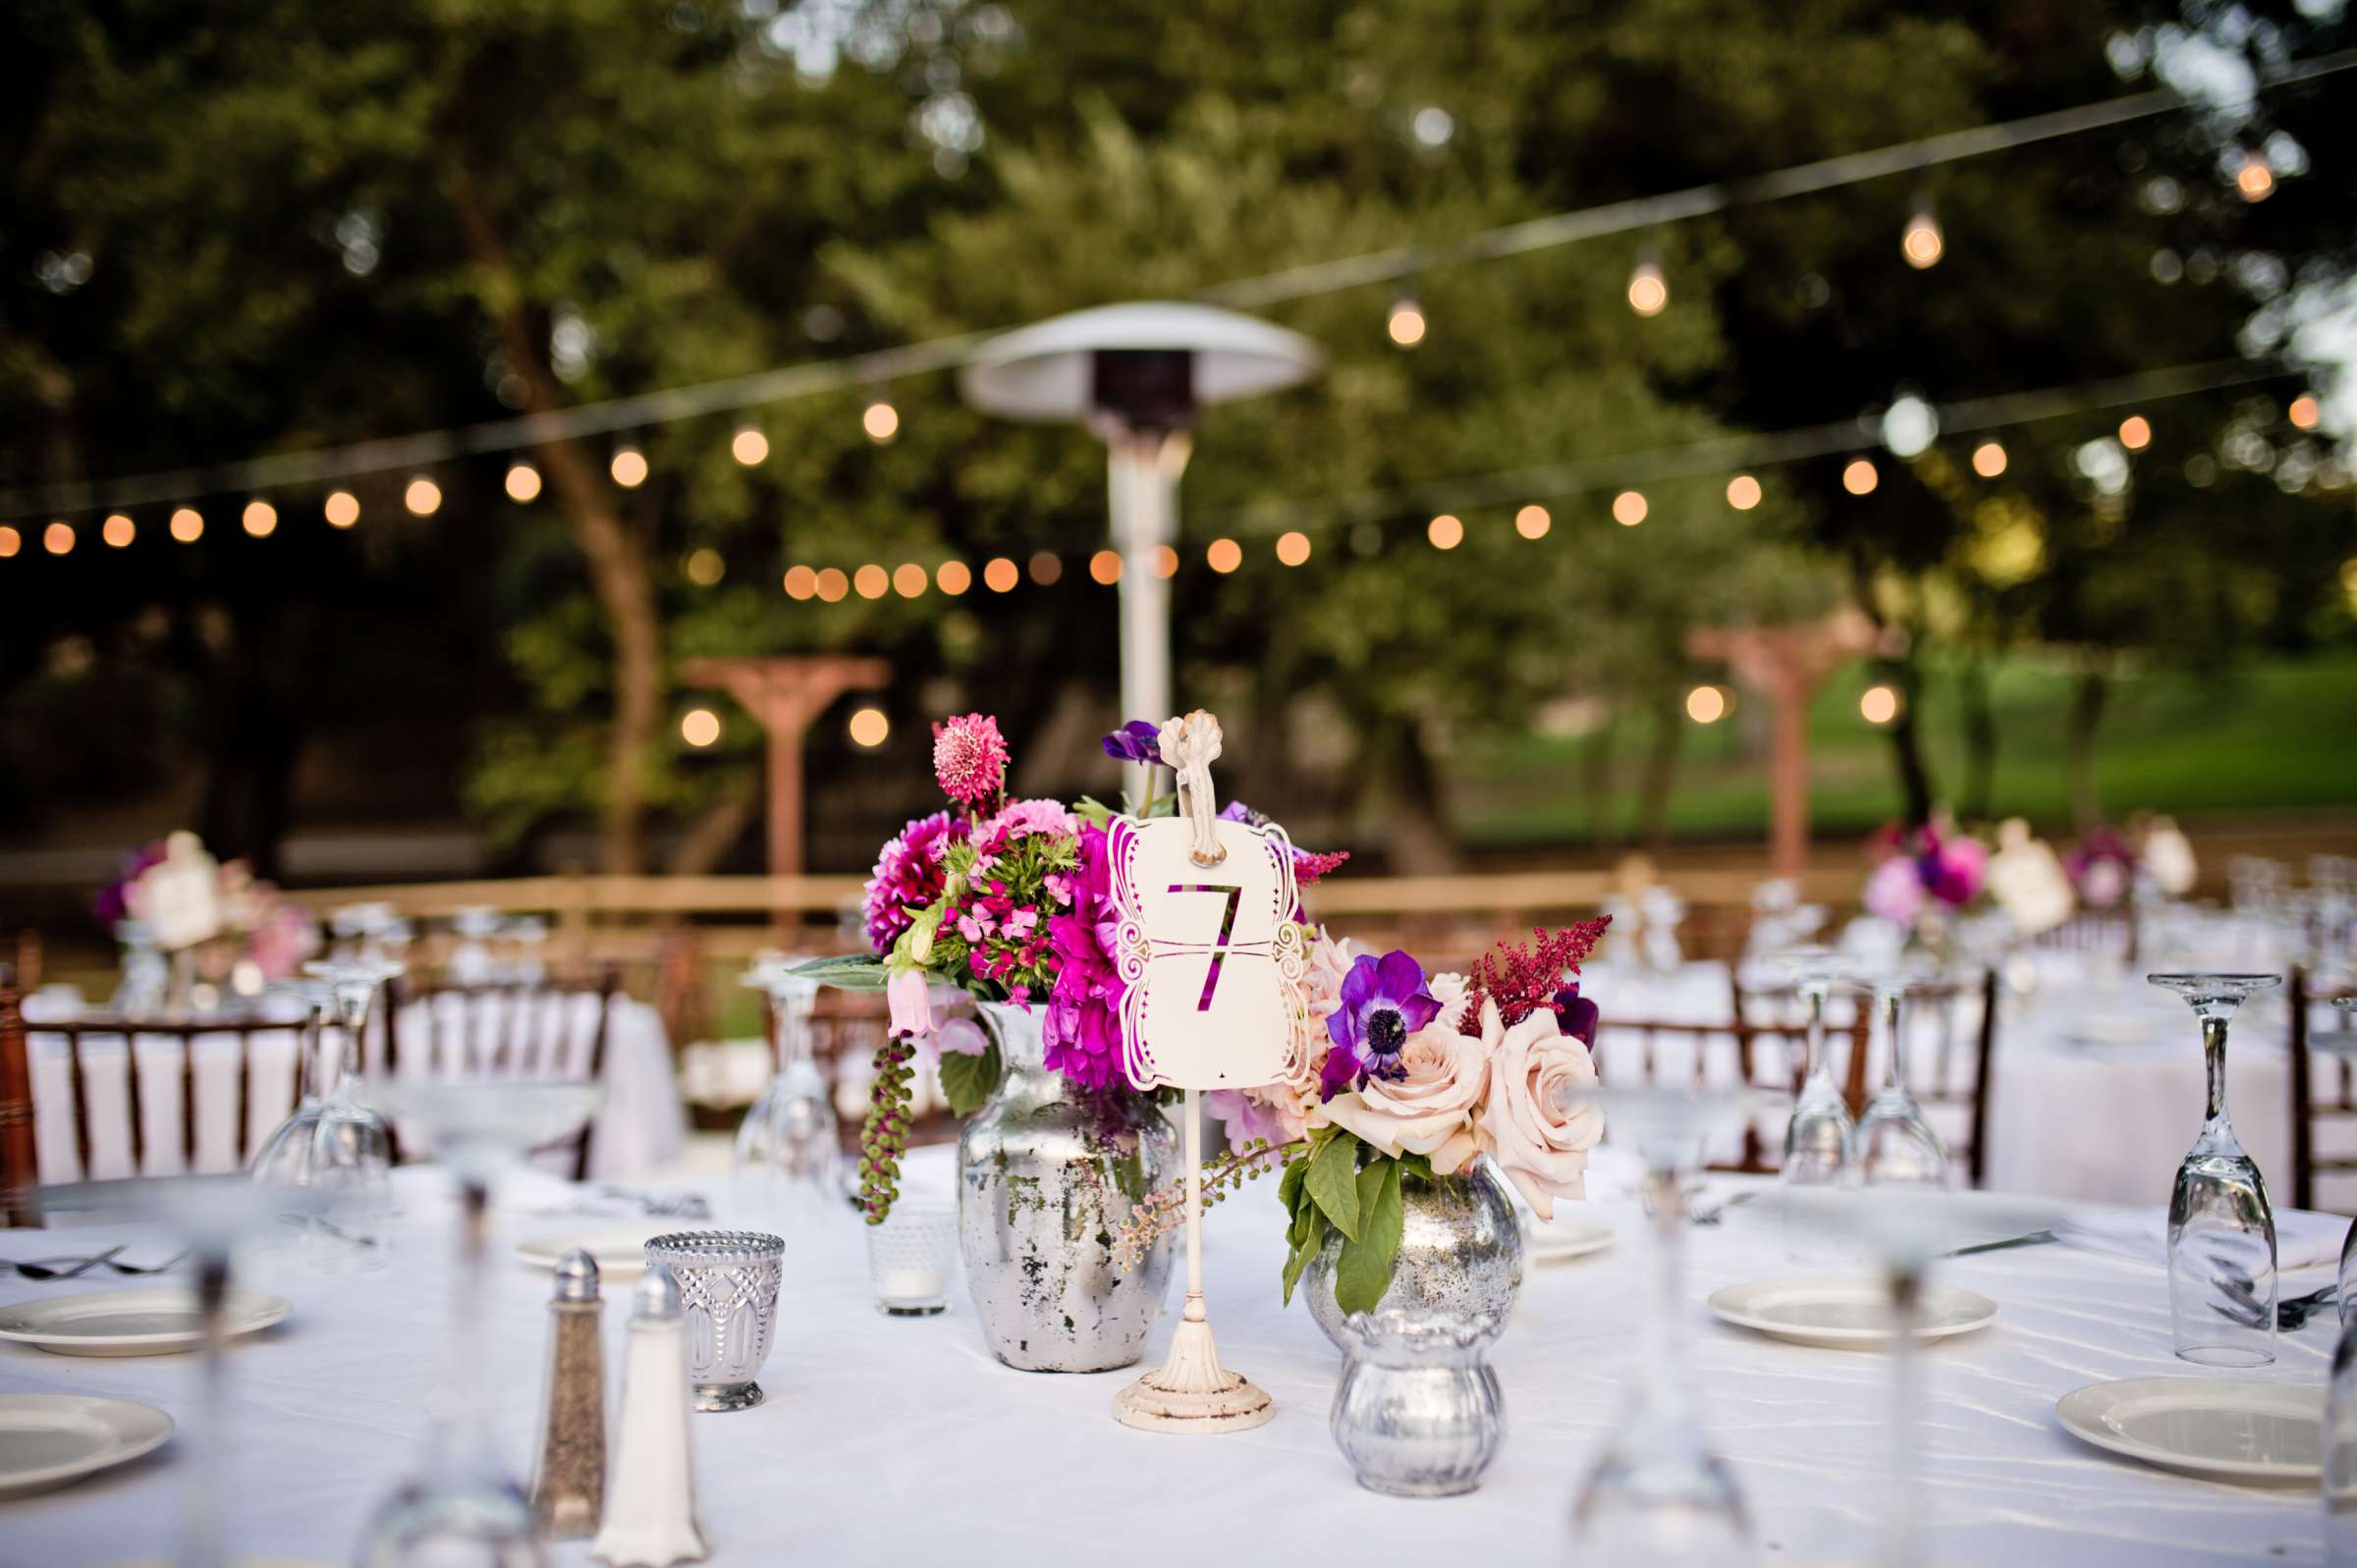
<point x="1083" y="1028"/>
<point x="969" y="757"/>
<point x="908" y="877"/>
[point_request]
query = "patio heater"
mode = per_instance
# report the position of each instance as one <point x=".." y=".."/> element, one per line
<point x="1135" y="374"/>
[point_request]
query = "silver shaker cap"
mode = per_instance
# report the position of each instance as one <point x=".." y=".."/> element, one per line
<point x="577" y="1277"/>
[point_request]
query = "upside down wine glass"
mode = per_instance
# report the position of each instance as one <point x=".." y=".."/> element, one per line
<point x="787" y="1144"/>
<point x="1658" y="1494"/>
<point x="1897" y="1146"/>
<point x="1821" y="1140"/>
<point x="2221" y="1232"/>
<point x="352" y="1150"/>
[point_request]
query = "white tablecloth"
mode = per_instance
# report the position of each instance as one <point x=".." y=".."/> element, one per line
<point x="897" y="1440"/>
<point x="641" y="1124"/>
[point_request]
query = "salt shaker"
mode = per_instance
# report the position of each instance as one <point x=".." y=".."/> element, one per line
<point x="651" y="1520"/>
<point x="1418" y="1413"/>
<point x="569" y="1485"/>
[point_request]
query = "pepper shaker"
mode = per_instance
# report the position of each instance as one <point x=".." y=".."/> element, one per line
<point x="569" y="1485"/>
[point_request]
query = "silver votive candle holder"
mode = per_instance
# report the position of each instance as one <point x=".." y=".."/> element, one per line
<point x="728" y="1299"/>
<point x="1418" y="1413"/>
<point x="909" y="1256"/>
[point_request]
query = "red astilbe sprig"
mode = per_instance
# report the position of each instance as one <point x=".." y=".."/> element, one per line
<point x="1522" y="979"/>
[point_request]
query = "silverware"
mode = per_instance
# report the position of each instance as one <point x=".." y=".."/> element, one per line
<point x="1711" y="1217"/>
<point x="2036" y="1238"/>
<point x="79" y="1265"/>
<point x="2294" y="1314"/>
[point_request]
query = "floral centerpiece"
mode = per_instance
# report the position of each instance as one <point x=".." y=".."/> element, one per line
<point x="215" y="921"/>
<point x="1412" y="1078"/>
<point x="1009" y="901"/>
<point x="2102" y="868"/>
<point x="1925" y="875"/>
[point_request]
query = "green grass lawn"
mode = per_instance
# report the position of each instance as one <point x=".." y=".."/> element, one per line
<point x="2268" y="736"/>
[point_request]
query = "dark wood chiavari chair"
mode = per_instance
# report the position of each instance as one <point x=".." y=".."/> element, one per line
<point x="1617" y="1040"/>
<point x="2308" y="1108"/>
<point x="19" y="1145"/>
<point x="507" y="1030"/>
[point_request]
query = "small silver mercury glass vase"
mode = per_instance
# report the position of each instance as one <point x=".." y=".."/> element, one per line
<point x="727" y="1283"/>
<point x="1461" y="1253"/>
<point x="1418" y="1413"/>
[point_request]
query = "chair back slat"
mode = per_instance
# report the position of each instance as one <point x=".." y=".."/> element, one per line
<point x="81" y="1074"/>
<point x="507" y="1031"/>
<point x="20" y="1158"/>
<point x="2308" y="1107"/>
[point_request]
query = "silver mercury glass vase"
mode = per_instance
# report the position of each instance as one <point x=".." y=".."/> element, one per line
<point x="1461" y="1253"/>
<point x="1047" y="1174"/>
<point x="1418" y="1412"/>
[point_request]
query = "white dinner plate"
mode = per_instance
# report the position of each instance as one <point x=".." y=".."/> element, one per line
<point x="620" y="1254"/>
<point x="2223" y="1427"/>
<point x="49" y="1439"/>
<point x="1851" y="1313"/>
<point x="1562" y="1240"/>
<point x="159" y="1320"/>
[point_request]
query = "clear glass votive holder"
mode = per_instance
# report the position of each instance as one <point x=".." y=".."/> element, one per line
<point x="909" y="1257"/>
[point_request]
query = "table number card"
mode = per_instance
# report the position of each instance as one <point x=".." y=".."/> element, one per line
<point x="1212" y="956"/>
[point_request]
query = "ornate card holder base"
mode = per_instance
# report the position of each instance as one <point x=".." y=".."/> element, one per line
<point x="1192" y="1392"/>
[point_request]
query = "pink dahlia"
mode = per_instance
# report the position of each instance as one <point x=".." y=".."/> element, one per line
<point x="1083" y="1030"/>
<point x="908" y="877"/>
<point x="969" y="757"/>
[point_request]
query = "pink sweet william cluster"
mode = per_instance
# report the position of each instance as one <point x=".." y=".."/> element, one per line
<point x="1934" y="866"/>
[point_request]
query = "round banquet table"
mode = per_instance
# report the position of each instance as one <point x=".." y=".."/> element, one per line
<point x="901" y="1440"/>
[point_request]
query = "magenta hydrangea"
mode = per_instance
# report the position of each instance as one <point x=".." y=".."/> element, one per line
<point x="908" y="877"/>
<point x="1084" y="1027"/>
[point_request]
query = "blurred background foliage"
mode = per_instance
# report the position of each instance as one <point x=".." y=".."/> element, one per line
<point x="238" y="228"/>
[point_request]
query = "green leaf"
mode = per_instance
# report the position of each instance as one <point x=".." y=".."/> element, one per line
<point x="967" y="1081"/>
<point x="1334" y="1181"/>
<point x="1289" y="1185"/>
<point x="1416" y="1165"/>
<point x="1364" y="1271"/>
<point x="1304" y="1249"/>
<point x="856" y="972"/>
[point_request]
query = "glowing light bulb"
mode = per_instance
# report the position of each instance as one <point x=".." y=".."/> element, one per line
<point x="1629" y="507"/>
<point x="119" y="532"/>
<point x="2254" y="181"/>
<point x="1705" y="705"/>
<point x="1104" y="566"/>
<point x="188" y="525"/>
<point x="260" y="519"/>
<point x="1292" y="548"/>
<point x="705" y="566"/>
<point x="1648" y="290"/>
<point x="1922" y="244"/>
<point x="1223" y="556"/>
<point x="1047" y="568"/>
<point x="2135" y="432"/>
<point x="1406" y="323"/>
<point x="999" y="574"/>
<point x="424" y="496"/>
<point x="831" y="585"/>
<point x="871" y="582"/>
<point x="908" y="579"/>
<point x="1743" y="492"/>
<point x="1533" y="521"/>
<point x="629" y="468"/>
<point x="1444" y="531"/>
<point x="1878" y="705"/>
<point x="2305" y="411"/>
<point x="881" y="420"/>
<point x="523" y="482"/>
<point x="699" y="727"/>
<point x="801" y="582"/>
<point x="869" y="726"/>
<point x="1861" y="476"/>
<point x="1988" y="459"/>
<point x="342" y="510"/>
<point x="1165" y="562"/>
<point x="952" y="577"/>
<point x="11" y="542"/>
<point x="58" y="537"/>
<point x="750" y="446"/>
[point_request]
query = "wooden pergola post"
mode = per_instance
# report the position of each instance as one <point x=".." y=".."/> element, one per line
<point x="785" y="694"/>
<point x="1784" y="666"/>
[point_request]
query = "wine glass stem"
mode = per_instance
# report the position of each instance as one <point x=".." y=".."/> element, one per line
<point x="1902" y="1517"/>
<point x="470" y="1433"/>
<point x="1665" y="1327"/>
<point x="1895" y="1077"/>
<point x="2214" y="1054"/>
<point x="203" y="1545"/>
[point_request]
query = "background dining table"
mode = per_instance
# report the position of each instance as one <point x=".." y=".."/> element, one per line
<point x="901" y="1440"/>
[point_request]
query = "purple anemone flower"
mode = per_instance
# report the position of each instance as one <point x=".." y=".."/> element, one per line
<point x="1577" y="1016"/>
<point x="1136" y="741"/>
<point x="1384" y="1001"/>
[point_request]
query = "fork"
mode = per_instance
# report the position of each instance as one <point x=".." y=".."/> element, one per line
<point x="80" y="1266"/>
